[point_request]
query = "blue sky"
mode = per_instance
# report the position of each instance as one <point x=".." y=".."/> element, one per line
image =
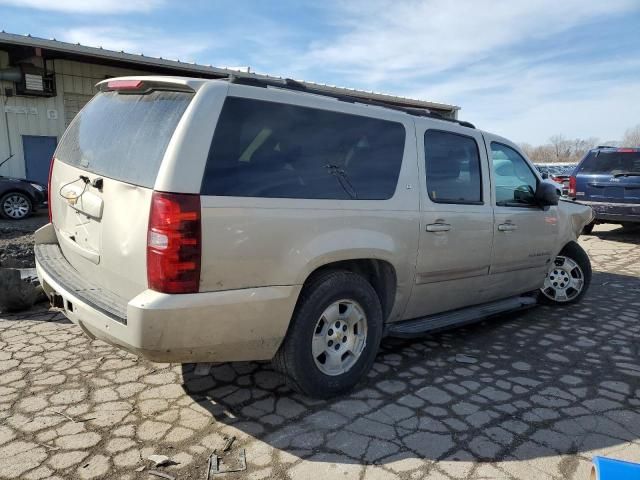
<point x="523" y="69"/>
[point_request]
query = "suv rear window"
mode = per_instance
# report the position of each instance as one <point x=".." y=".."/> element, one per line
<point x="274" y="150"/>
<point x="123" y="136"/>
<point x="610" y="162"/>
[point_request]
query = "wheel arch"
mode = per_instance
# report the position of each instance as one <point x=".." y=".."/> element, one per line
<point x="567" y="244"/>
<point x="381" y="274"/>
<point x="19" y="190"/>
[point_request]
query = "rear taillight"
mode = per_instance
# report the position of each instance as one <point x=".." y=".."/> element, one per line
<point x="49" y="188"/>
<point x="174" y="243"/>
<point x="572" y="187"/>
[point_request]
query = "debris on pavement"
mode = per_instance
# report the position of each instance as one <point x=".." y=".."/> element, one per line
<point x="161" y="460"/>
<point x="74" y="420"/>
<point x="215" y="464"/>
<point x="228" y="442"/>
<point x="140" y="469"/>
<point x="65" y="416"/>
<point x="161" y="474"/>
<point x="48" y="447"/>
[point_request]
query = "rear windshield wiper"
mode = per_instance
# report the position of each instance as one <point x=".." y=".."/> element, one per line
<point x="343" y="180"/>
<point x="627" y="174"/>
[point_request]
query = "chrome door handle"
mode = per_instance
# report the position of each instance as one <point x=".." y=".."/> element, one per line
<point x="507" y="227"/>
<point x="438" y="227"/>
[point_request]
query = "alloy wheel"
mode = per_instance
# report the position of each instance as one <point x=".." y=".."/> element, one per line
<point x="339" y="337"/>
<point x="565" y="280"/>
<point x="16" y="206"/>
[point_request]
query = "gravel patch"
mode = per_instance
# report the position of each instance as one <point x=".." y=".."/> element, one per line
<point x="16" y="241"/>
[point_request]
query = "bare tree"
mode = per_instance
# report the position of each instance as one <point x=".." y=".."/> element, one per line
<point x="559" y="149"/>
<point x="632" y="137"/>
<point x="527" y="148"/>
<point x="581" y="147"/>
<point x="562" y="149"/>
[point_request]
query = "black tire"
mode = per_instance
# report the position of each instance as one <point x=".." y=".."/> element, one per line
<point x="588" y="228"/>
<point x="294" y="358"/>
<point x="23" y="198"/>
<point x="576" y="253"/>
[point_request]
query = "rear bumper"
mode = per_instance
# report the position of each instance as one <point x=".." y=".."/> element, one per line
<point x="615" y="212"/>
<point x="233" y="325"/>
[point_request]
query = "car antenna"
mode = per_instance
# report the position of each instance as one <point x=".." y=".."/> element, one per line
<point x="7" y="159"/>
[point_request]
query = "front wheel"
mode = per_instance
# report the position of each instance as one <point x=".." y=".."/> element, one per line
<point x="568" y="278"/>
<point x="334" y="335"/>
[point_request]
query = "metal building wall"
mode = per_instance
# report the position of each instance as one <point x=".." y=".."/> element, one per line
<point x="75" y="85"/>
<point x="24" y="116"/>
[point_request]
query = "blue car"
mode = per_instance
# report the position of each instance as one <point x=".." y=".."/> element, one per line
<point x="608" y="180"/>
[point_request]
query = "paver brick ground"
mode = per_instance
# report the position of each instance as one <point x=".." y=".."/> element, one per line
<point x="528" y="395"/>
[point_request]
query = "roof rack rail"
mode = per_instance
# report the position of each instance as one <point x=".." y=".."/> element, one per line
<point x="289" y="84"/>
<point x="606" y="146"/>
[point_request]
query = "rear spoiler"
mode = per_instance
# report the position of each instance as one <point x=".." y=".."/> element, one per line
<point x="142" y="86"/>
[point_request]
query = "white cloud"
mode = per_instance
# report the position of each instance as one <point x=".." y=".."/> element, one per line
<point x="149" y="41"/>
<point x="87" y="6"/>
<point x="605" y="115"/>
<point x="478" y="54"/>
<point x="413" y="38"/>
<point x="525" y="100"/>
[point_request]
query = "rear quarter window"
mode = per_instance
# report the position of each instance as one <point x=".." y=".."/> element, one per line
<point x="124" y="136"/>
<point x="275" y="150"/>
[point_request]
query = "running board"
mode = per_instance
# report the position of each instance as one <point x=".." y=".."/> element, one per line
<point x="440" y="321"/>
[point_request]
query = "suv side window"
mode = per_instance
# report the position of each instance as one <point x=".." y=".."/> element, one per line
<point x="276" y="150"/>
<point x="452" y="165"/>
<point x="514" y="180"/>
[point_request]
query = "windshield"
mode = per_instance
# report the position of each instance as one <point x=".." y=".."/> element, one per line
<point x="124" y="136"/>
<point x="611" y="162"/>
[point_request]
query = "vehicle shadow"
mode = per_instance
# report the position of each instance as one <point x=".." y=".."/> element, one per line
<point x="540" y="383"/>
<point x="40" y="312"/>
<point x="617" y="233"/>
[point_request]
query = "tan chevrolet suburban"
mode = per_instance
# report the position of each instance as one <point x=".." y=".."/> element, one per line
<point x="223" y="220"/>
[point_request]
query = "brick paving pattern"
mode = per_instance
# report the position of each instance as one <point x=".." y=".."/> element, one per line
<point x="530" y="395"/>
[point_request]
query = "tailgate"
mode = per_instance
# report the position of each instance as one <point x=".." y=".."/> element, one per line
<point x="608" y="188"/>
<point x="610" y="175"/>
<point x="102" y="234"/>
<point x="102" y="181"/>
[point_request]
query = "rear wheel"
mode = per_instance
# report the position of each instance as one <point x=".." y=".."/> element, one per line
<point x="334" y="335"/>
<point x="569" y="277"/>
<point x="15" y="206"/>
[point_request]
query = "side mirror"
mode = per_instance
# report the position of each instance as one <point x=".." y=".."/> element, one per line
<point x="545" y="175"/>
<point x="547" y="194"/>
